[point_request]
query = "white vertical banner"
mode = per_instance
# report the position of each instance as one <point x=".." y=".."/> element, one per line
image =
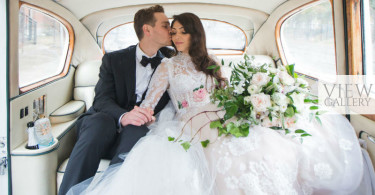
<point x="3" y="98"/>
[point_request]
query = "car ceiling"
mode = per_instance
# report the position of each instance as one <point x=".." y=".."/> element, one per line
<point x="82" y="8"/>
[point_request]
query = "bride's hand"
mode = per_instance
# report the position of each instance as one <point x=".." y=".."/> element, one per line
<point x="152" y="118"/>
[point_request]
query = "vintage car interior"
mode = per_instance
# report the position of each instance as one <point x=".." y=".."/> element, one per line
<point x="53" y="51"/>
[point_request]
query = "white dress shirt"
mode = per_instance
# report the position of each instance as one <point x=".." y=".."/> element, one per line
<point x="142" y="75"/>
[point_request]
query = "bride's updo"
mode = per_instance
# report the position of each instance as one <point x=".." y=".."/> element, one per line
<point x="197" y="49"/>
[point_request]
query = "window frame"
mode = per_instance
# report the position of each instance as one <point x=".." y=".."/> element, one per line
<point x="281" y="21"/>
<point x="68" y="56"/>
<point x="234" y="51"/>
<point x="356" y="47"/>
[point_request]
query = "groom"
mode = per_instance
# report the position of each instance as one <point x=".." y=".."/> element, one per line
<point x="115" y="122"/>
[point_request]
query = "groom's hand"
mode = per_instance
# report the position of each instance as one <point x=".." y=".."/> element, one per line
<point x="137" y="117"/>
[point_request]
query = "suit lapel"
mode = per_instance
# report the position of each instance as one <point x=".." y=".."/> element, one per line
<point x="129" y="67"/>
<point x="130" y="81"/>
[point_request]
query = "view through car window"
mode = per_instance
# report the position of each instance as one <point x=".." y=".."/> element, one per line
<point x="43" y="46"/>
<point x="369" y="36"/>
<point x="219" y="35"/>
<point x="307" y="39"/>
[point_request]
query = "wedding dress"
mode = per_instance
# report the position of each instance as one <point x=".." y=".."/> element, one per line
<point x="265" y="162"/>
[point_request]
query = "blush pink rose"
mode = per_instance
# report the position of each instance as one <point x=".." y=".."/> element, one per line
<point x="185" y="104"/>
<point x="290" y="122"/>
<point x="199" y="95"/>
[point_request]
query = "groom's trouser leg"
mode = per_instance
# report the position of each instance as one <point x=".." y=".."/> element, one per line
<point x="96" y="135"/>
<point x="128" y="137"/>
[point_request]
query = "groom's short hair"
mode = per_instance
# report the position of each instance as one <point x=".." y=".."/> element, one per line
<point x="145" y="16"/>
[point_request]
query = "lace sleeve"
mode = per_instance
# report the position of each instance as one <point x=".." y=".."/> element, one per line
<point x="158" y="85"/>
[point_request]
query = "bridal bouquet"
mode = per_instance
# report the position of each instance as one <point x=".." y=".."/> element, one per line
<point x="266" y="96"/>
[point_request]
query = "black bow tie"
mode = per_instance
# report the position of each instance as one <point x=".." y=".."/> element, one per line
<point x="155" y="61"/>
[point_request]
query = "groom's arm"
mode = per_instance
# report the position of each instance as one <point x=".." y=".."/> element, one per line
<point x="105" y="91"/>
<point x="105" y="98"/>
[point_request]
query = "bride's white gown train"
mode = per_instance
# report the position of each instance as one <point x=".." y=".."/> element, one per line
<point x="265" y="162"/>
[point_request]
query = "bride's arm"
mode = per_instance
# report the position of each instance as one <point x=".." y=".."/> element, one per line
<point x="158" y="85"/>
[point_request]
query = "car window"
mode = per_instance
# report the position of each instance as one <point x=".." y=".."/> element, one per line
<point x="221" y="36"/>
<point x="307" y="40"/>
<point x="369" y="36"/>
<point x="43" y="46"/>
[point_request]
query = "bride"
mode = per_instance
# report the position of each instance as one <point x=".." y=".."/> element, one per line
<point x="265" y="162"/>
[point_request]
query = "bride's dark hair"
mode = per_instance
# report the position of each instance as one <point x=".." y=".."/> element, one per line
<point x="197" y="49"/>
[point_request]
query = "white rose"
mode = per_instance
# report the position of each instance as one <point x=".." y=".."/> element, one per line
<point x="238" y="89"/>
<point x="301" y="81"/>
<point x="272" y="70"/>
<point x="275" y="109"/>
<point x="260" y="102"/>
<point x="303" y="90"/>
<point x="290" y="122"/>
<point x="276" y="79"/>
<point x="280" y="99"/>
<point x="260" y="79"/>
<point x="289" y="88"/>
<point x="280" y="88"/>
<point x="298" y="101"/>
<point x="283" y="107"/>
<point x="253" y="89"/>
<point x="247" y="99"/>
<point x="266" y="122"/>
<point x="285" y="78"/>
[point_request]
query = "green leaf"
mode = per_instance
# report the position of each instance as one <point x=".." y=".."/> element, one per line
<point x="211" y="67"/>
<point x="315" y="101"/>
<point x="311" y="115"/>
<point x="222" y="131"/>
<point x="231" y="109"/>
<point x="289" y="112"/>
<point x="179" y="105"/>
<point x="276" y="128"/>
<point x="269" y="88"/>
<point x="216" y="124"/>
<point x="307" y="100"/>
<point x="234" y="130"/>
<point x="222" y="62"/>
<point x="205" y="143"/>
<point x="186" y="145"/>
<point x="244" y="129"/>
<point x="318" y="119"/>
<point x="299" y="131"/>
<point x="290" y="69"/>
<point x="287" y="131"/>
<point x="305" y="135"/>
<point x="314" y="107"/>
<point x="216" y="82"/>
<point x="171" y="138"/>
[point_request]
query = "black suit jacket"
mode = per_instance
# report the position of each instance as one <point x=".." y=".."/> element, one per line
<point x="115" y="90"/>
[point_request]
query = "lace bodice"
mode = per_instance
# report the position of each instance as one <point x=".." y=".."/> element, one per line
<point x="187" y="87"/>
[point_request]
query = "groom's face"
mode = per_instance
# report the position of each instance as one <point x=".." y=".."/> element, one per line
<point x="161" y="31"/>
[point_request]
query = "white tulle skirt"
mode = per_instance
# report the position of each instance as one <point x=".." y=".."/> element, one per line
<point x="265" y="162"/>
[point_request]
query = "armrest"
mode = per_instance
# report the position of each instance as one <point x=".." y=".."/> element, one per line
<point x="67" y="112"/>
